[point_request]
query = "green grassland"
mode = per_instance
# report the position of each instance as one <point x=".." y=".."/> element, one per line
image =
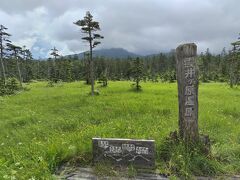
<point x="44" y="127"/>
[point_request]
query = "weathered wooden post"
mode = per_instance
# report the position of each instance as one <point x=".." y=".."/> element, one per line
<point x="187" y="78"/>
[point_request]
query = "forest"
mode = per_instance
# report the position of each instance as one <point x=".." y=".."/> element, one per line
<point x="161" y="67"/>
<point x="17" y="62"/>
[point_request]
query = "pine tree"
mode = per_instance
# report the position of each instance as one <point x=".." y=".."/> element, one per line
<point x="68" y="67"/>
<point x="3" y="40"/>
<point x="206" y="62"/>
<point x="87" y="67"/>
<point x="137" y="72"/>
<point x="234" y="64"/>
<point x="103" y="78"/>
<point x="28" y="61"/>
<point x="89" y="27"/>
<point x="16" y="54"/>
<point x="223" y="65"/>
<point x="54" y="53"/>
<point x="53" y="70"/>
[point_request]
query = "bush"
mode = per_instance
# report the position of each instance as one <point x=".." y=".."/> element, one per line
<point x="51" y="83"/>
<point x="169" y="76"/>
<point x="103" y="79"/>
<point x="187" y="160"/>
<point x="11" y="86"/>
<point x="2" y="88"/>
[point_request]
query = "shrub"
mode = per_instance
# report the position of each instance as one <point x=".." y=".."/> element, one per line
<point x="2" y="88"/>
<point x="103" y="79"/>
<point x="11" y="86"/>
<point x="51" y="83"/>
<point x="169" y="76"/>
<point x="187" y="160"/>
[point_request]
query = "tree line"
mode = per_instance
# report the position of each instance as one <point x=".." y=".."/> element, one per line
<point x="159" y="67"/>
<point x="17" y="62"/>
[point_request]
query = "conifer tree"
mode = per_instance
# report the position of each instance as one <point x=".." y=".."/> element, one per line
<point x="53" y="71"/>
<point x="137" y="72"/>
<point x="87" y="67"/>
<point x="27" y="57"/>
<point x="89" y="27"/>
<point x="16" y="54"/>
<point x="3" y="40"/>
<point x="234" y="64"/>
<point x="54" y="53"/>
<point x="103" y="78"/>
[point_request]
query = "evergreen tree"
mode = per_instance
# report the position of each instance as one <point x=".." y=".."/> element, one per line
<point x="88" y="27"/>
<point x="15" y="52"/>
<point x="27" y="57"/>
<point x="137" y="72"/>
<point x="54" y="53"/>
<point x="223" y="65"/>
<point x="206" y="61"/>
<point x="234" y="64"/>
<point x="103" y="78"/>
<point x="87" y="67"/>
<point x="53" y="68"/>
<point x="3" y="40"/>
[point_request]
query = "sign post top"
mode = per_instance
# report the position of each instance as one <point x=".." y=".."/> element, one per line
<point x="187" y="50"/>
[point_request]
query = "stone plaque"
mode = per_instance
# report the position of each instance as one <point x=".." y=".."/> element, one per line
<point x="124" y="152"/>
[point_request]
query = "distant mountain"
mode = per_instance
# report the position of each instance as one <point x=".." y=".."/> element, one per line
<point x="109" y="53"/>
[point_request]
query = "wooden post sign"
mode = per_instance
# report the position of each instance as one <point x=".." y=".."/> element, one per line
<point x="123" y="152"/>
<point x="187" y="78"/>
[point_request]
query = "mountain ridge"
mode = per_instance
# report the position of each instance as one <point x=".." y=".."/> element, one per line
<point x="108" y="53"/>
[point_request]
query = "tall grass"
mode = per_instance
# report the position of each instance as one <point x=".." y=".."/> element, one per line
<point x="42" y="128"/>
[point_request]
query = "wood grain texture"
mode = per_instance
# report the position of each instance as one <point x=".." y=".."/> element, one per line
<point x="187" y="78"/>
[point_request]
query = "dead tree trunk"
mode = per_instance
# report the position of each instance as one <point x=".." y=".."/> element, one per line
<point x="187" y="78"/>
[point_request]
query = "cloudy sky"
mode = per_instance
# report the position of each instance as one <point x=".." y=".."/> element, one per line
<point x="140" y="26"/>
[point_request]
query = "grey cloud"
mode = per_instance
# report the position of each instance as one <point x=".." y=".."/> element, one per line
<point x="138" y="25"/>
